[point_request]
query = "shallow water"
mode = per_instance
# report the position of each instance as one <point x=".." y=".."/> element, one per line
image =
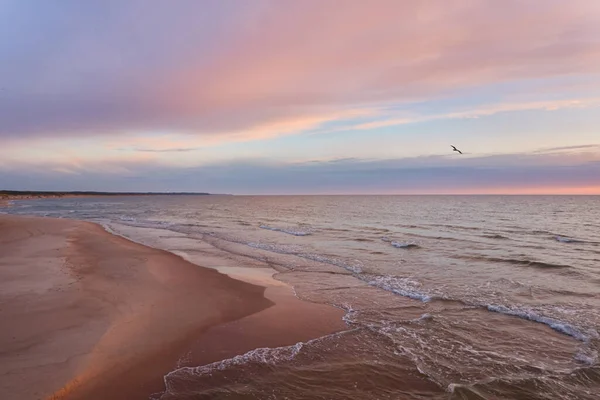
<point x="460" y="297"/>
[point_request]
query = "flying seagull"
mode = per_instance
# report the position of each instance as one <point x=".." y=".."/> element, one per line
<point x="455" y="149"/>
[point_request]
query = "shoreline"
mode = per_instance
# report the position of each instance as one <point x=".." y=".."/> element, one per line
<point x="7" y="198"/>
<point x="93" y="315"/>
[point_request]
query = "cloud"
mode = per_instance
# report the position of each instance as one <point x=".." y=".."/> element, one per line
<point x="484" y="111"/>
<point x="564" y="172"/>
<point x="254" y="70"/>
<point x="176" y="150"/>
<point x="562" y="148"/>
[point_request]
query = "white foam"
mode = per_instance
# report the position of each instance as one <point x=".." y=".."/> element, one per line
<point x="350" y="317"/>
<point x="564" y="239"/>
<point x="557" y="325"/>
<point x="588" y="357"/>
<point x="294" y="250"/>
<point x="425" y="317"/>
<point x="451" y="387"/>
<point x="401" y="245"/>
<point x="355" y="269"/>
<point x="289" y="231"/>
<point x="275" y="248"/>
<point x="262" y="355"/>
<point x="402" y="286"/>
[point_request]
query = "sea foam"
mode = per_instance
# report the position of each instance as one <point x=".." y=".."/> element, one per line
<point x="288" y="231"/>
<point x="400" y="245"/>
<point x="262" y="355"/>
<point x="401" y="286"/>
<point x="559" y="326"/>
<point x="564" y="239"/>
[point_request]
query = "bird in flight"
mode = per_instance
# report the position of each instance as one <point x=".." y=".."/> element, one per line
<point x="455" y="149"/>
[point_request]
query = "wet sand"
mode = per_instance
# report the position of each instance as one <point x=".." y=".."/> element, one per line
<point x="90" y="315"/>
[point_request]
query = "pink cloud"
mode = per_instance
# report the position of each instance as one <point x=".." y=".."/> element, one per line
<point x="284" y="66"/>
<point x="483" y="111"/>
<point x="310" y="55"/>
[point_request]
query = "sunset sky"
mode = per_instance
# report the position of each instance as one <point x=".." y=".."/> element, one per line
<point x="310" y="96"/>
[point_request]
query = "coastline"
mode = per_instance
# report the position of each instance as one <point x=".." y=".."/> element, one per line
<point x="6" y="197"/>
<point x="92" y="315"/>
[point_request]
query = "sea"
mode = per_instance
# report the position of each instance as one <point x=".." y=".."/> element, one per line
<point x="445" y="297"/>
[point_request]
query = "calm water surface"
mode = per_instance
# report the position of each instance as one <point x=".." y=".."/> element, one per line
<point x="446" y="297"/>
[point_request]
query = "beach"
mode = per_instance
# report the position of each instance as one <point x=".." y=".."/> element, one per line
<point x="300" y="297"/>
<point x="91" y="315"/>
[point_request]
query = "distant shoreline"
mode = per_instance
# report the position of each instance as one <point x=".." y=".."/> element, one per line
<point x="9" y="195"/>
<point x="20" y="193"/>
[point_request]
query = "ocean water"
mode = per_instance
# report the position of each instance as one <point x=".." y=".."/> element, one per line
<point x="446" y="297"/>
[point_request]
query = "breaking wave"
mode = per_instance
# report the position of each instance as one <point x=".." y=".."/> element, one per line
<point x="564" y="239"/>
<point x="288" y="231"/>
<point x="559" y="326"/>
<point x="495" y="236"/>
<point x="401" y="286"/>
<point x="262" y="355"/>
<point x="400" y="245"/>
<point x="520" y="262"/>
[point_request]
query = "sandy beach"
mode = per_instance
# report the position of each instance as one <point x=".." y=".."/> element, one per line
<point x="90" y="315"/>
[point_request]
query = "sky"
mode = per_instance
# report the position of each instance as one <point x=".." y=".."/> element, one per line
<point x="301" y="97"/>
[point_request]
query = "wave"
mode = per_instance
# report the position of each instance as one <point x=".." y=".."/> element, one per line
<point x="457" y="227"/>
<point x="580" y="383"/>
<point x="559" y="237"/>
<point x="286" y="230"/>
<point x="564" y="239"/>
<point x="400" y="245"/>
<point x="587" y="356"/>
<point x="262" y="355"/>
<point x="131" y="221"/>
<point x="405" y="287"/>
<point x="402" y="286"/>
<point x="410" y="288"/>
<point x="274" y="248"/>
<point x="355" y="269"/>
<point x="531" y="263"/>
<point x="542" y="232"/>
<point x="495" y="236"/>
<point x="559" y="326"/>
<point x="293" y="250"/>
<point x="520" y="262"/>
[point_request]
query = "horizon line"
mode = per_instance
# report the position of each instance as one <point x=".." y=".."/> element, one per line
<point x="183" y="193"/>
